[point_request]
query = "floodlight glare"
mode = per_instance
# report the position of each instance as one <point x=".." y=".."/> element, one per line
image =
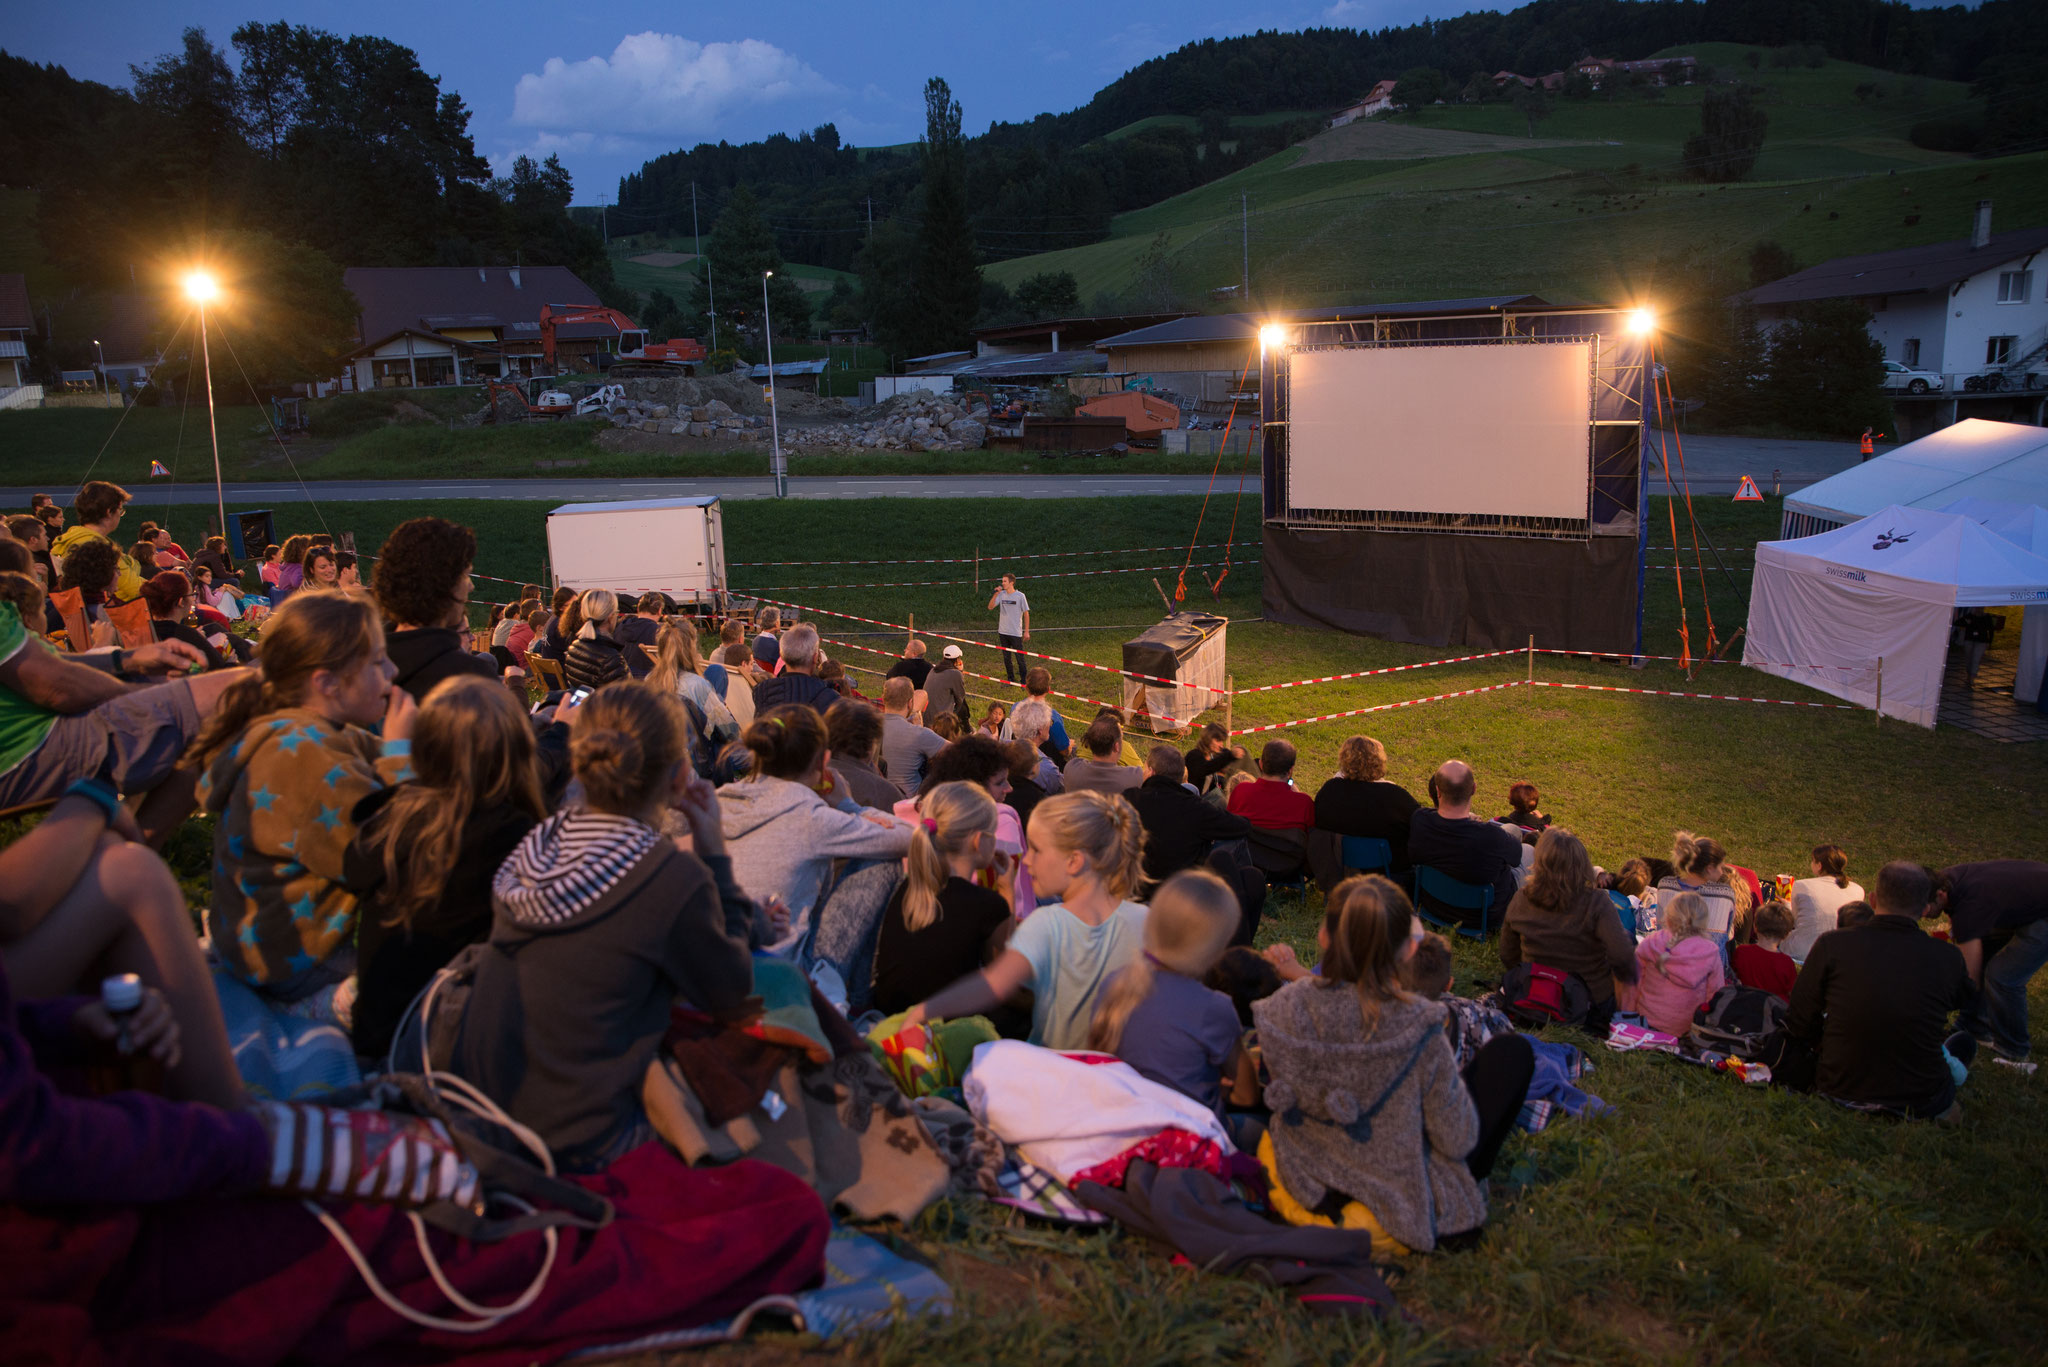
<point x="1272" y="335"/>
<point x="201" y="287"/>
<point x="1642" y="322"/>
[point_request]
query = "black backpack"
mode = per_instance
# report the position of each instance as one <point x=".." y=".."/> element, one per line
<point x="1740" y="1021"/>
<point x="1537" y="995"/>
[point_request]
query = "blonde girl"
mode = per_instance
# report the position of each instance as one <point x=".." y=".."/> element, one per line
<point x="679" y="673"/>
<point x="1679" y="965"/>
<point x="1158" y="1017"/>
<point x="291" y="750"/>
<point x="1085" y="849"/>
<point x="595" y="657"/>
<point x="940" y="924"/>
<point x="425" y="850"/>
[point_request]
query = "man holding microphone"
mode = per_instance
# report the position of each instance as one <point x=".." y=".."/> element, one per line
<point x="1013" y="626"/>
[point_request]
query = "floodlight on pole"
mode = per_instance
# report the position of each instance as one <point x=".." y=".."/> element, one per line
<point x="777" y="462"/>
<point x="1272" y="337"/>
<point x="202" y="289"/>
<point x="1642" y="322"/>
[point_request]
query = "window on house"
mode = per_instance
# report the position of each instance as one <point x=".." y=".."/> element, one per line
<point x="1910" y="351"/>
<point x="2015" y="286"/>
<point x="1998" y="350"/>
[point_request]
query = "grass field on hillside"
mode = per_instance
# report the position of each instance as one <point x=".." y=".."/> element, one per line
<point x="1582" y="221"/>
<point x="1703" y="1222"/>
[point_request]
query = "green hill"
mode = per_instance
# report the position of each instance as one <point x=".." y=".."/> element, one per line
<point x="1459" y="199"/>
<point x="650" y="261"/>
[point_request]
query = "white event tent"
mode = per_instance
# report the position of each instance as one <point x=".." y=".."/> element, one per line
<point x="2026" y="525"/>
<point x="1863" y="611"/>
<point x="2000" y="462"/>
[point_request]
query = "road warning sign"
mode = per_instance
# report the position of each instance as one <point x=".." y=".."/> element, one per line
<point x="1747" y="492"/>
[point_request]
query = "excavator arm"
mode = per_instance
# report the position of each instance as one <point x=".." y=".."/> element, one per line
<point x="553" y="316"/>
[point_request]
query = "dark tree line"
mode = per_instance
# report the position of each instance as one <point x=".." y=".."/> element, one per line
<point x="308" y="153"/>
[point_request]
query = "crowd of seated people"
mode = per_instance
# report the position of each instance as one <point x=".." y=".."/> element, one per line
<point x="697" y="810"/>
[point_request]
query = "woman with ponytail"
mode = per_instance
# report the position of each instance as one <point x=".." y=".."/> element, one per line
<point x="1816" y="901"/>
<point x="600" y="924"/>
<point x="941" y="925"/>
<point x="787" y="821"/>
<point x="595" y="658"/>
<point x="1085" y="849"/>
<point x="292" y="749"/>
<point x="1374" y="1128"/>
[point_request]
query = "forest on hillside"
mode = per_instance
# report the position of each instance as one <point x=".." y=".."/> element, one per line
<point x="1057" y="180"/>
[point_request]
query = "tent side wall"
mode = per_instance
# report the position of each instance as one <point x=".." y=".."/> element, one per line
<point x="1830" y="634"/>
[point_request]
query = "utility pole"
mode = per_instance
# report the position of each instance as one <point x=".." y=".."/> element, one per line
<point x="871" y="218"/>
<point x="603" y="202"/>
<point x="1245" y="232"/>
<point x="697" y="245"/>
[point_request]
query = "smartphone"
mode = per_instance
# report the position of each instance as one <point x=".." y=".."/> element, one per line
<point x="576" y="696"/>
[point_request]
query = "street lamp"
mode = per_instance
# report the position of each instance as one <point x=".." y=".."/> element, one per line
<point x="202" y="289"/>
<point x="777" y="462"/>
<point x="103" y="365"/>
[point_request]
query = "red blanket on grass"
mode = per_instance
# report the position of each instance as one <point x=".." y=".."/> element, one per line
<point x="257" y="1281"/>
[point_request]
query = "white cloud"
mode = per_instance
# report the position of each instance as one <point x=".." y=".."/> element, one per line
<point x="1345" y="11"/>
<point x="659" y="85"/>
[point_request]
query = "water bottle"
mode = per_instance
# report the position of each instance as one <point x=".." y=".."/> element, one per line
<point x="117" y="1067"/>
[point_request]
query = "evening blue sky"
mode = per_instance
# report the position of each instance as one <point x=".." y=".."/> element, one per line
<point x="607" y="85"/>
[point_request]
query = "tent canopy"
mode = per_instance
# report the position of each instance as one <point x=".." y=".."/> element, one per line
<point x="1920" y="553"/>
<point x="2025" y="524"/>
<point x="2001" y="462"/>
<point x="1863" y="611"/>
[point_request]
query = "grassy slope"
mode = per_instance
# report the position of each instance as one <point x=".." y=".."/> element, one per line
<point x="1574" y="221"/>
<point x="1702" y="1223"/>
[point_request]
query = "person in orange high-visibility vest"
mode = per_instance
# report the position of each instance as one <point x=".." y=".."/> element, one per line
<point x="1866" y="448"/>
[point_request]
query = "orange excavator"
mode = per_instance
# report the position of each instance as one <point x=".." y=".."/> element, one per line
<point x="553" y="316"/>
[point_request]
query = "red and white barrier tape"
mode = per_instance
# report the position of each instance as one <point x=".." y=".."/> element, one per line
<point x="983" y="645"/>
<point x="987" y="579"/>
<point x="1368" y="673"/>
<point x="1695" y="659"/>
<point x="971" y="559"/>
<point x="1669" y="693"/>
<point x="1383" y="707"/>
<point x="849" y="645"/>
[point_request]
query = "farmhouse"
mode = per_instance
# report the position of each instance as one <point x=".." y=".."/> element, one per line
<point x="1379" y="101"/>
<point x="1973" y="310"/>
<point x="440" y="325"/>
<point x="1060" y="334"/>
<point x="16" y="322"/>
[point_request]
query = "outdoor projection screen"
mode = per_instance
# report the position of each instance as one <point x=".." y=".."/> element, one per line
<point x="1481" y="429"/>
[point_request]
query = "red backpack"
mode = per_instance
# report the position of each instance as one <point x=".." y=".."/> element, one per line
<point x="1539" y="995"/>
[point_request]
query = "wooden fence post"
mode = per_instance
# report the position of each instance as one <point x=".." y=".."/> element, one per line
<point x="1229" y="700"/>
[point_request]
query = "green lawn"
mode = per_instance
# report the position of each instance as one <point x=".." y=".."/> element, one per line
<point x="1837" y="176"/>
<point x="1704" y="1222"/>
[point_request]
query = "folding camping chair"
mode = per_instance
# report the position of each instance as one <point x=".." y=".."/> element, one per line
<point x="1432" y="886"/>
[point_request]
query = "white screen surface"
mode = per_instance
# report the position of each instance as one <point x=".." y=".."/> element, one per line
<point x="1441" y="429"/>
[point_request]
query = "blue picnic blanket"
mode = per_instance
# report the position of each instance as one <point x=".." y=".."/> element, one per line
<point x="1553" y="1087"/>
<point x="282" y="1056"/>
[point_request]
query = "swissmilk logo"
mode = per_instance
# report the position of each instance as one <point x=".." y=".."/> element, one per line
<point x="1840" y="573"/>
<point x="1887" y="538"/>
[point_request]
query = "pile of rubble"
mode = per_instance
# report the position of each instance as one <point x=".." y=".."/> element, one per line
<point x="908" y="422"/>
<point x="716" y="418"/>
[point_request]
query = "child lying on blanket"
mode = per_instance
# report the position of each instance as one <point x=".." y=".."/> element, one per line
<point x="1083" y="848"/>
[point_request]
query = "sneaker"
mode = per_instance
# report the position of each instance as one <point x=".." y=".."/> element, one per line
<point x="2019" y="1065"/>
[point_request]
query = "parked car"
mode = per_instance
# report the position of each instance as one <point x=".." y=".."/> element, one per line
<point x="1909" y="380"/>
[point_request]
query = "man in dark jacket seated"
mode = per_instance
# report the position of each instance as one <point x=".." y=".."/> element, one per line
<point x="1457" y="844"/>
<point x="1182" y="831"/>
<point x="1870" y="1010"/>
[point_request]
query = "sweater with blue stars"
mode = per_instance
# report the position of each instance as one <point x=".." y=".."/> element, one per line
<point x="283" y="794"/>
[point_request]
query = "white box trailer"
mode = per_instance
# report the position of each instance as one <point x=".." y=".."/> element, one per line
<point x="674" y="546"/>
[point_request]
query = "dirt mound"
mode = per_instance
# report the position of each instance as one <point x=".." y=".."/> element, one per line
<point x="405" y="410"/>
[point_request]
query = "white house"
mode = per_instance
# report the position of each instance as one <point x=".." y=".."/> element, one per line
<point x="1379" y="101"/>
<point x="438" y="325"/>
<point x="16" y="322"/>
<point x="1972" y="309"/>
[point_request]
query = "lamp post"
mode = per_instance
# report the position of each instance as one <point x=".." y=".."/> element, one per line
<point x="202" y="289"/>
<point x="103" y="364"/>
<point x="777" y="462"/>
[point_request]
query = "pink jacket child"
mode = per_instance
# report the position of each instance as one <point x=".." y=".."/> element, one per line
<point x="1677" y="978"/>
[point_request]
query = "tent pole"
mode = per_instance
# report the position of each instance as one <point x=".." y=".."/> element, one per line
<point x="1532" y="658"/>
<point x="1878" y="708"/>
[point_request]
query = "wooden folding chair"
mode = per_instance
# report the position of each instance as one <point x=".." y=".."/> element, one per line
<point x="549" y="672"/>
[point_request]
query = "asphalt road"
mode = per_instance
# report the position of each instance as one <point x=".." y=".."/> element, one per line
<point x="1713" y="465"/>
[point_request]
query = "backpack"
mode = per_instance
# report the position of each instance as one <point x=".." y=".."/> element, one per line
<point x="1537" y="995"/>
<point x="1740" y="1020"/>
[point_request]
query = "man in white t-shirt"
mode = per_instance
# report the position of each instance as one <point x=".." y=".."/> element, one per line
<point x="1013" y="626"/>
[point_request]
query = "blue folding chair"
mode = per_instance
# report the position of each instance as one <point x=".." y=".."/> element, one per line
<point x="1432" y="885"/>
<point x="1365" y="854"/>
<point x="1626" y="912"/>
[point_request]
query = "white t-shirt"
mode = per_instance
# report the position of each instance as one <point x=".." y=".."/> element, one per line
<point x="1010" y="610"/>
<point x="1070" y="961"/>
<point x="1815" y="902"/>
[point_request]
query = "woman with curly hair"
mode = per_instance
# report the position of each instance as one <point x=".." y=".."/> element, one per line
<point x="422" y="586"/>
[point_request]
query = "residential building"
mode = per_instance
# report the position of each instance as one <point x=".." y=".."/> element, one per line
<point x="439" y="325"/>
<point x="1378" y="101"/>
<point x="16" y="322"/>
<point x="1974" y="309"/>
<point x="1060" y="334"/>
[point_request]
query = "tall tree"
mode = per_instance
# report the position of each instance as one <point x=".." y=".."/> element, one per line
<point x="1826" y="370"/>
<point x="739" y="248"/>
<point x="1731" y="135"/>
<point x="948" y="280"/>
<point x="1049" y="294"/>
